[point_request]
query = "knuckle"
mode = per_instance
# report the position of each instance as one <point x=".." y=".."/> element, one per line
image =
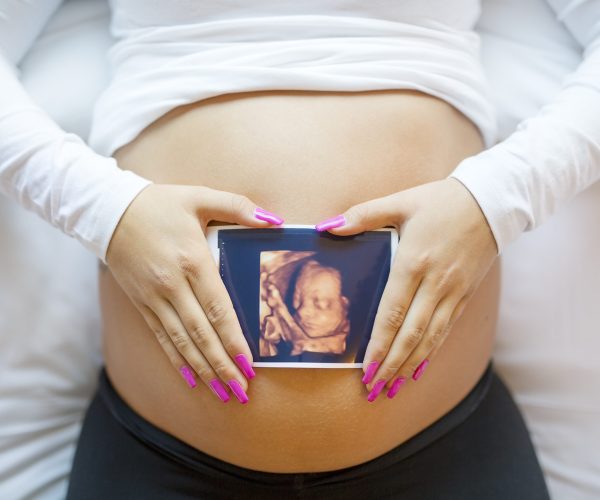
<point x="411" y="366"/>
<point x="200" y="336"/>
<point x="392" y="367"/>
<point x="233" y="346"/>
<point x="457" y="276"/>
<point x="446" y="281"/>
<point x="395" y="317"/>
<point x="378" y="347"/>
<point x="435" y="338"/>
<point x="358" y="213"/>
<point x="240" y="203"/>
<point x="222" y="369"/>
<point x="165" y="281"/>
<point x="418" y="264"/>
<point x="188" y="265"/>
<point x="161" y="336"/>
<point x="413" y="337"/>
<point x="216" y="312"/>
<point x="205" y="373"/>
<point x="180" y="341"/>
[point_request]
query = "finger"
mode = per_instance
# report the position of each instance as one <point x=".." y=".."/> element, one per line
<point x="434" y="337"/>
<point x="408" y="337"/>
<point x="165" y="342"/>
<point x="183" y="343"/>
<point x="210" y="292"/>
<point x="236" y="208"/>
<point x="403" y="282"/>
<point x="458" y="310"/>
<point x="204" y="336"/>
<point x="373" y="214"/>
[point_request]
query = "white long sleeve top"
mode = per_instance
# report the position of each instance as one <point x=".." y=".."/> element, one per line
<point x="169" y="54"/>
<point x="44" y="168"/>
<point x="551" y="156"/>
<point x="423" y="45"/>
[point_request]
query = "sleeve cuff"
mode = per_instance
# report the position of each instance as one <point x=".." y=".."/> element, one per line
<point x="477" y="174"/>
<point x="122" y="191"/>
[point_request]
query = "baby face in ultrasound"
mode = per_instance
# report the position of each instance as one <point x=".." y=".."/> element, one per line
<point x="320" y="306"/>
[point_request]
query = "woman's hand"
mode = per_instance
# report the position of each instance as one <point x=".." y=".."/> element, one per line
<point x="159" y="256"/>
<point x="445" y="250"/>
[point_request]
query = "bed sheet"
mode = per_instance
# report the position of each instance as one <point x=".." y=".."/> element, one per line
<point x="548" y="327"/>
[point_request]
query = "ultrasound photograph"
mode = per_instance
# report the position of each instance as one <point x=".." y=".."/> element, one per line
<point x="304" y="298"/>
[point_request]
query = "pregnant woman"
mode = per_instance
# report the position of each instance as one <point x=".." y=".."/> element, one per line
<point x="317" y="113"/>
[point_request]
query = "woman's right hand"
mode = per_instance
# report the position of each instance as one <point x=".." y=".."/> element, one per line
<point x="160" y="257"/>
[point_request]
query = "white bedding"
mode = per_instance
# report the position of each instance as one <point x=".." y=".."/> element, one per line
<point x="549" y="321"/>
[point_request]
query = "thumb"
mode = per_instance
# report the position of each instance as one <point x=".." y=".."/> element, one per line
<point x="388" y="210"/>
<point x="235" y="208"/>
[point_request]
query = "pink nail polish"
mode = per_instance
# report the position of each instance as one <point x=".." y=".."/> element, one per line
<point x="376" y="390"/>
<point x="420" y="369"/>
<point x="262" y="214"/>
<point x="337" y="221"/>
<point x="219" y="390"/>
<point x="238" y="391"/>
<point x="186" y="373"/>
<point x="245" y="365"/>
<point x="399" y="382"/>
<point x="372" y="368"/>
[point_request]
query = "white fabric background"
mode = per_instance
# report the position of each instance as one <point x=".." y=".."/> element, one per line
<point x="549" y="321"/>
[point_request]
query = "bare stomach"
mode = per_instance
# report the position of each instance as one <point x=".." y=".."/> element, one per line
<point x="305" y="156"/>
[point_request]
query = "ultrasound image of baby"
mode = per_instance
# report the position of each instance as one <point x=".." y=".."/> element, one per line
<point x="301" y="304"/>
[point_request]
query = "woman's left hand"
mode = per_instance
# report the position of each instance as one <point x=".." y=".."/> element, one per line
<point x="445" y="249"/>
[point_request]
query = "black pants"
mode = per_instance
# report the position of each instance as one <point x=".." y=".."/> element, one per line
<point x="479" y="450"/>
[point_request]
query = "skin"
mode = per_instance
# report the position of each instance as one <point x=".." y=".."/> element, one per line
<point x="304" y="156"/>
<point x="175" y="285"/>
<point x="434" y="273"/>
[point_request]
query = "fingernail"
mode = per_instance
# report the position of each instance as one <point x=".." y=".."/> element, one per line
<point x="219" y="390"/>
<point x="337" y="221"/>
<point x="396" y="387"/>
<point x="420" y="369"/>
<point x="245" y="365"/>
<point x="376" y="390"/>
<point x="370" y="372"/>
<point x="186" y="373"/>
<point x="238" y="391"/>
<point x="262" y="214"/>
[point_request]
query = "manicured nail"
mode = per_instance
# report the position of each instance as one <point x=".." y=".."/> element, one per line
<point x="186" y="373"/>
<point x="219" y="390"/>
<point x="337" y="221"/>
<point x="420" y="369"/>
<point x="372" y="368"/>
<point x="245" y="365"/>
<point x="396" y="387"/>
<point x="262" y="214"/>
<point x="376" y="390"/>
<point x="238" y="391"/>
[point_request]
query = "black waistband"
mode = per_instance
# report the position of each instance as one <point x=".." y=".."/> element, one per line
<point x="194" y="459"/>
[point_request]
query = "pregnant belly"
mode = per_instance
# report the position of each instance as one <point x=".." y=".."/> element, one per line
<point x="306" y="156"/>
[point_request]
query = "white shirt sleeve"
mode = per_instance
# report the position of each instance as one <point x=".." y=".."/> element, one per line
<point x="551" y="156"/>
<point x="44" y="168"/>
